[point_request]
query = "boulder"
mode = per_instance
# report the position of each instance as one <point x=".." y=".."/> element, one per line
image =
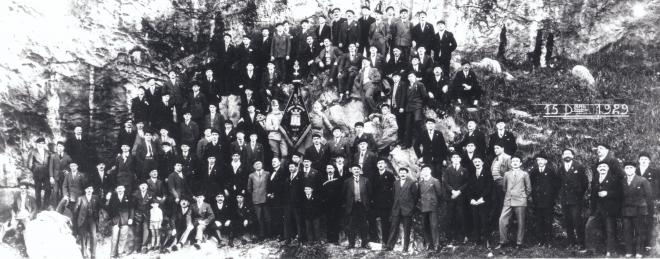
<point x="583" y="74"/>
<point x="345" y="116"/>
<point x="49" y="236"/>
<point x="489" y="65"/>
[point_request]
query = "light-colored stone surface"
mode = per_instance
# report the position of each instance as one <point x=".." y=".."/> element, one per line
<point x="49" y="236"/>
<point x="582" y="73"/>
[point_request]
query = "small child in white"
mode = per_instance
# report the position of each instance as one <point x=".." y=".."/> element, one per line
<point x="155" y="221"/>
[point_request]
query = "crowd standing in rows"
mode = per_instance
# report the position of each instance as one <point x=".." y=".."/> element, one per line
<point x="184" y="173"/>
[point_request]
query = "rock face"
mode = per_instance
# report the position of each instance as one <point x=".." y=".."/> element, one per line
<point x="79" y="62"/>
<point x="578" y="27"/>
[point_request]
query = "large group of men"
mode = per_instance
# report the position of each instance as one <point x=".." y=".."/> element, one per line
<point x="184" y="173"/>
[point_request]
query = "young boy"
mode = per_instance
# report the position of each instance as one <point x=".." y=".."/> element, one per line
<point x="155" y="222"/>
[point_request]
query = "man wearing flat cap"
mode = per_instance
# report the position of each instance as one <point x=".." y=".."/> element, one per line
<point x="357" y="196"/>
<point x="545" y="188"/>
<point x="637" y="195"/>
<point x="38" y="161"/>
<point x="653" y="176"/>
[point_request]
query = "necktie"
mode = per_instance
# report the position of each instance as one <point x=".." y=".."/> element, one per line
<point x="210" y="168"/>
<point x="309" y="196"/>
<point x="148" y="149"/>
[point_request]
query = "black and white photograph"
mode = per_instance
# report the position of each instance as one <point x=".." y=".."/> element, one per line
<point x="180" y="129"/>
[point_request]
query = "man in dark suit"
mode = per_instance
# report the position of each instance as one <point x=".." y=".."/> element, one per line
<point x="379" y="34"/>
<point x="574" y="185"/>
<point x="247" y="78"/>
<point x="176" y="184"/>
<point x="506" y="139"/>
<point x="466" y="87"/>
<point x="360" y="136"/>
<point x="72" y="188"/>
<point x="397" y="100"/>
<point x="318" y="153"/>
<point x="339" y="145"/>
<point x="102" y="181"/>
<point x="438" y="85"/>
<point x="223" y="213"/>
<point x="406" y="193"/>
<point x="431" y="148"/>
<point x="140" y="106"/>
<point x="383" y="196"/>
<point x="430" y="192"/>
<point x="292" y="200"/>
<point x="276" y="187"/>
<point x="162" y="113"/>
<point x="637" y="195"/>
<point x="479" y="194"/>
<point x="653" y="176"/>
<point x="605" y="154"/>
<point x="126" y="135"/>
<point x="348" y="66"/>
<point x="397" y="63"/>
<point x="416" y="98"/>
<point x="175" y="88"/>
<point x="263" y="46"/>
<point x="235" y="179"/>
<point x="212" y="88"/>
<point x="59" y="163"/>
<point x="357" y="192"/>
<point x="401" y="33"/>
<point x="475" y="136"/>
<point x="322" y="31"/>
<point x="124" y="169"/>
<point x="366" y="159"/>
<point x="142" y="202"/>
<point x="364" y="23"/>
<point x="335" y="25"/>
<point x="306" y="56"/>
<point x="376" y="59"/>
<point x="227" y="56"/>
<point x="606" y="197"/>
<point x="443" y="44"/>
<point x="120" y="210"/>
<point x="189" y="129"/>
<point x="213" y="119"/>
<point x="79" y="147"/>
<point x="332" y="202"/>
<point x="245" y="53"/>
<point x="254" y="150"/>
<point x="545" y="188"/>
<point x="349" y="32"/>
<point x="422" y="33"/>
<point x="146" y="154"/>
<point x="201" y="217"/>
<point x="209" y="178"/>
<point x="311" y="212"/>
<point x="456" y="183"/>
<point x="311" y="176"/>
<point x="86" y="214"/>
